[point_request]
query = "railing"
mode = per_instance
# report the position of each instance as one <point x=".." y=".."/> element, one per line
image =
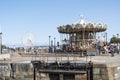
<point x="61" y="67"/>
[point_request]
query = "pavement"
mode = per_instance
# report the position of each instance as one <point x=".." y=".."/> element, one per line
<point x="100" y="59"/>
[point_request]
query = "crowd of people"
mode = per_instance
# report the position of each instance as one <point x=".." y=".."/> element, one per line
<point x="109" y="49"/>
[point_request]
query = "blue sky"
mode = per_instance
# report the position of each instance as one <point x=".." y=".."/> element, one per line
<point x="42" y="17"/>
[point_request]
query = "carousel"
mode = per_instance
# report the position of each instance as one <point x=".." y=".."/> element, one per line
<point x="80" y="35"/>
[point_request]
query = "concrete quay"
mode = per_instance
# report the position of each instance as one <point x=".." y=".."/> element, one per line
<point x="105" y="67"/>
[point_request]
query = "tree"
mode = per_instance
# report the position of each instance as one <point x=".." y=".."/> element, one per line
<point x="115" y="40"/>
<point x="4" y="47"/>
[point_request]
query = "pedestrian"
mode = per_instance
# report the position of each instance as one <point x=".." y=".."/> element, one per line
<point x="118" y="49"/>
<point x="99" y="50"/>
<point x="106" y="49"/>
<point x="112" y="50"/>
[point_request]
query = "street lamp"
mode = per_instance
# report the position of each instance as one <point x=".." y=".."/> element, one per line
<point x="49" y="43"/>
<point x="49" y="40"/>
<point x="51" y="48"/>
<point x="0" y="42"/>
<point x="117" y="35"/>
<point x="117" y="39"/>
<point x="106" y="37"/>
<point x="54" y="44"/>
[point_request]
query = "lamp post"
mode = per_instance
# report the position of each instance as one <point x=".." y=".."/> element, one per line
<point x="117" y="39"/>
<point x="55" y="48"/>
<point x="49" y="43"/>
<point x="118" y="48"/>
<point x="106" y="37"/>
<point x="117" y="35"/>
<point x="54" y="44"/>
<point x="0" y="42"/>
<point x="49" y="40"/>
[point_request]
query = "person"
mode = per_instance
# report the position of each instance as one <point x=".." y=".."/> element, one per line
<point x="106" y="49"/>
<point x="99" y="50"/>
<point x="118" y="49"/>
<point x="112" y="50"/>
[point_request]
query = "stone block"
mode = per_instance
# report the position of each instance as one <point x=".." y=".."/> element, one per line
<point x="96" y="71"/>
<point x="104" y="71"/>
<point x="61" y="76"/>
<point x="80" y="76"/>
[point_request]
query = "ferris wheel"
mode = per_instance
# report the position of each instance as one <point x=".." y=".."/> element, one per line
<point x="28" y="40"/>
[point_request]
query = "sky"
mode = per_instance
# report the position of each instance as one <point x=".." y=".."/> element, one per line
<point x="40" y="18"/>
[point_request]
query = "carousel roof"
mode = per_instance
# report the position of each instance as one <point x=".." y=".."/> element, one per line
<point x="81" y="26"/>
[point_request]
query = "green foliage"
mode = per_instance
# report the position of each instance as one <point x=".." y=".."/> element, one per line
<point x="4" y="47"/>
<point x="115" y="40"/>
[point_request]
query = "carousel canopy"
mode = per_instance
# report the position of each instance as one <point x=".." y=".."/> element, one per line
<point x="81" y="26"/>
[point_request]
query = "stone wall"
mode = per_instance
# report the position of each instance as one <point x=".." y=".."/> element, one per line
<point x="25" y="72"/>
<point x="4" y="69"/>
<point x="100" y="72"/>
<point x="22" y="72"/>
<point x="80" y="77"/>
<point x="105" y="72"/>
